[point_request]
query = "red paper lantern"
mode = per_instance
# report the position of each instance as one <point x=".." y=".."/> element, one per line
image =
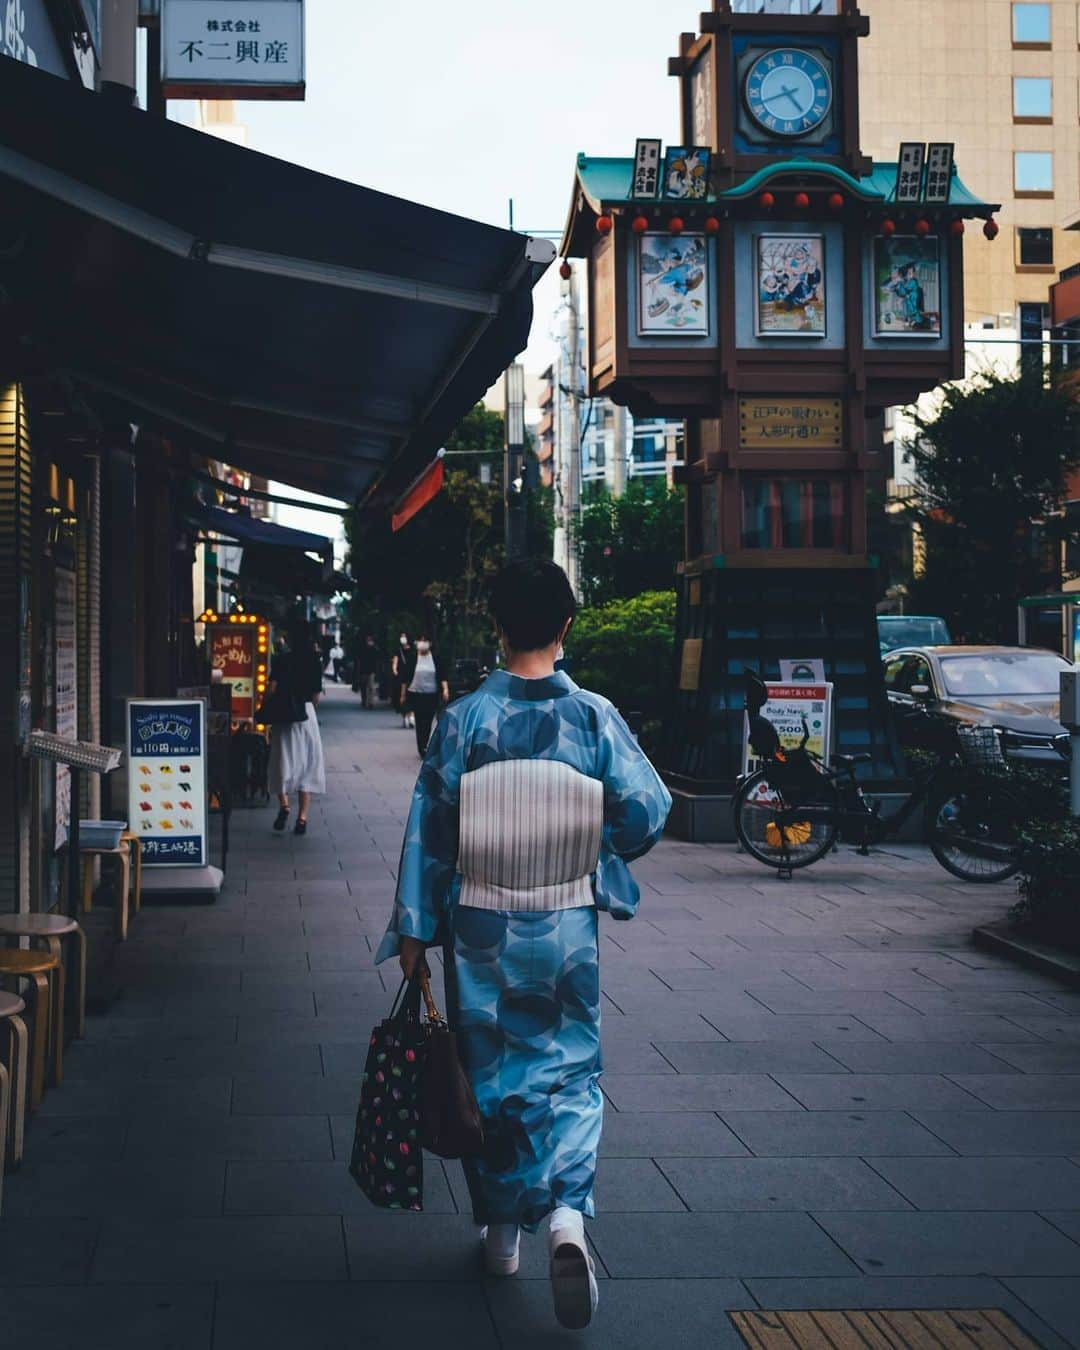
<point x="712" y="225"/>
<point x="802" y="201"/>
<point x="676" y="224"/>
<point x="766" y="201"/>
<point x="888" y="227"/>
<point x="922" y="226"/>
<point x="956" y="228"/>
<point x="991" y="229"/>
<point x="565" y="270"/>
<point x="604" y="224"/>
<point x="836" y="201"/>
<point x="639" y="224"/>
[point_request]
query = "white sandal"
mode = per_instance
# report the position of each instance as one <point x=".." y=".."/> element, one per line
<point x="573" y="1275"/>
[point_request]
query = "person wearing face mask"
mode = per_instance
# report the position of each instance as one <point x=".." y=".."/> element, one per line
<point x="427" y="688"/>
<point x="402" y="665"/>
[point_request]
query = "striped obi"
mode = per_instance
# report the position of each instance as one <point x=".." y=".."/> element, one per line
<point x="529" y="835"/>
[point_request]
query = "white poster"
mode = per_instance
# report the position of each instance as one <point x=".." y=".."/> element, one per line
<point x="231" y="42"/>
<point x="787" y="705"/>
<point x="167" y="780"/>
<point x="65" y="674"/>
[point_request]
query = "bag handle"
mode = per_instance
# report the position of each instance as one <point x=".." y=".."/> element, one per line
<point x="407" y="1002"/>
<point x="433" y="1013"/>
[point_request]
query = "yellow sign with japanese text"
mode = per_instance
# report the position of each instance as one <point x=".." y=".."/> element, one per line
<point x="765" y="423"/>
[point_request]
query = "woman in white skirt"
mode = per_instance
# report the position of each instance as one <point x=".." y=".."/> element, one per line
<point x="296" y="753"/>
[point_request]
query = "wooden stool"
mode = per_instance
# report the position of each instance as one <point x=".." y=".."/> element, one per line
<point x="135" y="848"/>
<point x="13" y="1061"/>
<point x="122" y="854"/>
<point x="43" y="971"/>
<point x="47" y="931"/>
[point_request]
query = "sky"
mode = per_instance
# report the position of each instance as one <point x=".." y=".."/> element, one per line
<point x="468" y="105"/>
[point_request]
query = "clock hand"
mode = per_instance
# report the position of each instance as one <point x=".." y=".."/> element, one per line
<point x="785" y="92"/>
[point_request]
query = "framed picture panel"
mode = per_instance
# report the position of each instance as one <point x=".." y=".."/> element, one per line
<point x="790" y="285"/>
<point x="672" y="285"/>
<point x="907" y="286"/>
<point x="686" y="173"/>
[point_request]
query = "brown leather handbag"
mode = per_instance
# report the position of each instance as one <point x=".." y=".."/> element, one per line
<point x="450" y="1122"/>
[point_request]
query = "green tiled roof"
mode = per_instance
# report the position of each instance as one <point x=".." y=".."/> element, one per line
<point x="608" y="181"/>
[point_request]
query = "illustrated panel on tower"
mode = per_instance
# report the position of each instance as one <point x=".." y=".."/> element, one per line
<point x="787" y="95"/>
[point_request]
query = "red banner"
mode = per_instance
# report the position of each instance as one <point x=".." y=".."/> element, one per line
<point x="425" y="489"/>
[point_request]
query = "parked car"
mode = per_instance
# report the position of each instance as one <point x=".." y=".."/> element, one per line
<point x="911" y="630"/>
<point x="1014" y="689"/>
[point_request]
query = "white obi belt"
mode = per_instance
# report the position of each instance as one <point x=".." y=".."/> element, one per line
<point x="529" y="835"/>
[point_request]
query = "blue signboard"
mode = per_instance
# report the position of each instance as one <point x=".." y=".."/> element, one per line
<point x="167" y="780"/>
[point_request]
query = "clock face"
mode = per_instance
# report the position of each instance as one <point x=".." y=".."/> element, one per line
<point x="788" y="92"/>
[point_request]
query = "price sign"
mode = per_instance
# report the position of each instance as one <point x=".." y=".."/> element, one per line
<point x="166" y="749"/>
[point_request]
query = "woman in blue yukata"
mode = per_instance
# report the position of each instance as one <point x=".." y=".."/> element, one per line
<point x="531" y="801"/>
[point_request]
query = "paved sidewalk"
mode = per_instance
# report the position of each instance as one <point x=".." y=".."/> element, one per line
<point x="820" y="1096"/>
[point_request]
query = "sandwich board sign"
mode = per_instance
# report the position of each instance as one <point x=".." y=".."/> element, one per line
<point x="166" y="748"/>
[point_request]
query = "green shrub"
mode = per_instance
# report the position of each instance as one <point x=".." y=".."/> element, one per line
<point x="623" y="650"/>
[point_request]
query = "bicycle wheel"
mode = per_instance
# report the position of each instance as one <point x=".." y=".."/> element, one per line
<point x="973" y="830"/>
<point x="795" y="843"/>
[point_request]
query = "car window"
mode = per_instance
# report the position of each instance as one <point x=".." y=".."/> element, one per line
<point x="920" y="673"/>
<point x="1003" y="674"/>
<point x="893" y="666"/>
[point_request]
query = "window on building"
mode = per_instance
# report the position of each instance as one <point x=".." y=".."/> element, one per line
<point x="1033" y="97"/>
<point x="1035" y="248"/>
<point x="792" y="513"/>
<point x="1033" y="171"/>
<point x="1031" y="23"/>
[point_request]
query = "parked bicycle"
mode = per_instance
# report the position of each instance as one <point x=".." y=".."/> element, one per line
<point x="795" y="808"/>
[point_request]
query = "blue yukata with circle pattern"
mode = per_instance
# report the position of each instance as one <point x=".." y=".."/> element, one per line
<point x="523" y="987"/>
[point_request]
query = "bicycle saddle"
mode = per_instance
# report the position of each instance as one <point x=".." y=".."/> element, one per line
<point x="852" y="760"/>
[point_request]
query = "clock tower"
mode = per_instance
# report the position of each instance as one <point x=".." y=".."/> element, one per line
<point x="767" y="282"/>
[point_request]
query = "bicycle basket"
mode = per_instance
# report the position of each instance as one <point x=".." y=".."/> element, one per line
<point x="980" y="746"/>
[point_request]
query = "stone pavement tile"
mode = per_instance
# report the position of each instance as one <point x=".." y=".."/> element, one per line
<point x="363" y="981"/>
<point x="137" y="1251"/>
<point x="331" y="1316"/>
<point x="696" y="1092"/>
<point x="305" y="1138"/>
<point x="978" y="1243"/>
<point x="967" y="1027"/>
<point x="1062" y="999"/>
<point x="683" y="1134"/>
<point x="122" y="1025"/>
<point x="897" y="982"/>
<point x="123" y="1095"/>
<point x="780" y="1184"/>
<point x="983" y="1183"/>
<point x="41" y="1251"/>
<point x="79" y="1184"/>
<point x="633" y="1315"/>
<point x="920" y="1057"/>
<point x="853" y="1003"/>
<point x="1000" y="1004"/>
<point x="317" y="1188"/>
<point x="1068" y="1220"/>
<point x="622" y="1055"/>
<point x="833" y="1134"/>
<point x="1024" y="1092"/>
<point x="286" y="1094"/>
<point x="635" y="1185"/>
<point x="877" y="1291"/>
<point x="292" y="1030"/>
<point x="1038" y="1058"/>
<point x="876" y="1091"/>
<point x="352" y="954"/>
<point x="680" y="1024"/>
<point x="93" y="1137"/>
<point x="184" y="1060"/>
<point x="747" y="1057"/>
<point x="1054" y="1027"/>
<point x="166" y="1317"/>
<point x="710" y="1245"/>
<point x="384" y="1243"/>
<point x="1053" y="1300"/>
<point x="226" y="1003"/>
<point x="976" y="1133"/>
<point x="767" y="1026"/>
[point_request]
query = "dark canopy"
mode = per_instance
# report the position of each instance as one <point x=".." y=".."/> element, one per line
<point x="294" y="325"/>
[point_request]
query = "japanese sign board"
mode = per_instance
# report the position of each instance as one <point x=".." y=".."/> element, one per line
<point x="939" y="164"/>
<point x="166" y="749"/>
<point x="232" y="651"/>
<point x="646" y="168"/>
<point x="786" y="707"/>
<point x="241" y="49"/>
<point x="690" y="667"/>
<point x="909" y="172"/>
<point x="765" y="423"/>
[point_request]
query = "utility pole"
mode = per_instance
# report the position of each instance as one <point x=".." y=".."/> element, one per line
<point x="515" y="488"/>
<point x="619" y="454"/>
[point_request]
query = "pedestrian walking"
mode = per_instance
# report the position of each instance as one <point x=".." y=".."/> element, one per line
<point x="427" y="689"/>
<point x="337" y="655"/>
<point x="533" y="798"/>
<point x="366" y="673"/>
<point x="402" y="665"/>
<point x="296" y="753"/>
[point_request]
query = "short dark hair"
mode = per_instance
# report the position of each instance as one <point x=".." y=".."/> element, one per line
<point x="531" y="601"/>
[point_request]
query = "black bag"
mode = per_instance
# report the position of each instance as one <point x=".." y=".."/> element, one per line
<point x="451" y="1125"/>
<point x="281" y="707"/>
<point x="387" y="1159"/>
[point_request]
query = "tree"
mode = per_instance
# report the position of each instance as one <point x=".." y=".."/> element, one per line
<point x="632" y="543"/>
<point x="991" y="468"/>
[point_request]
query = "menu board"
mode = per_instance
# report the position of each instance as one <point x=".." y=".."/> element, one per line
<point x="66" y="706"/>
<point x="167" y="780"/>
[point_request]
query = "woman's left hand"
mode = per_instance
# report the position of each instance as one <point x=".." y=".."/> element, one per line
<point x="412" y="957"/>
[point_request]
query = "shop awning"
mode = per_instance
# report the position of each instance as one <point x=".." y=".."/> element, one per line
<point x="300" y="327"/>
<point x="261" y="534"/>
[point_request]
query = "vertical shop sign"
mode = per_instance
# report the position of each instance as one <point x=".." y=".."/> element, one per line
<point x="167" y="780"/>
<point x="232" y="651"/>
<point x="65" y="698"/>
